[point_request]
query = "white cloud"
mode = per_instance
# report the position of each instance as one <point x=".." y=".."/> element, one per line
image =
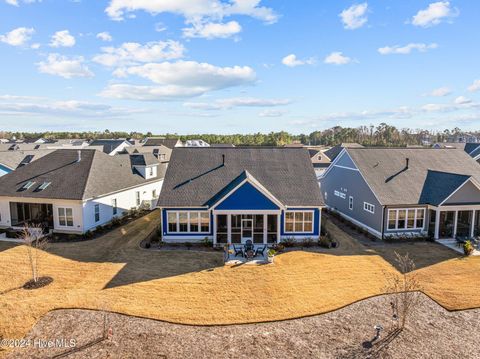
<point x="228" y="103"/>
<point x="160" y="27"/>
<point x="18" y="37"/>
<point x="475" y="86"/>
<point x="272" y="113"/>
<point x="65" y="67"/>
<point x="32" y="106"/>
<point x="17" y="2"/>
<point x="355" y="16"/>
<point x="292" y="61"/>
<point x="337" y="58"/>
<point x="462" y="100"/>
<point x="212" y="30"/>
<point x="407" y="49"/>
<point x="440" y="92"/>
<point x="132" y="53"/>
<point x="181" y="79"/>
<point x="193" y="9"/>
<point x="434" y="14"/>
<point x="62" y="39"/>
<point x="104" y="36"/>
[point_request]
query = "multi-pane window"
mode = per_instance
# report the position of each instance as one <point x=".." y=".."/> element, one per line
<point x="188" y="222"/>
<point x="410" y="218"/>
<point x="350" y="203"/>
<point x="154" y="193"/>
<point x="65" y="217"/>
<point x="114" y="206"/>
<point x="299" y="222"/>
<point x="368" y="207"/>
<point x="97" y="212"/>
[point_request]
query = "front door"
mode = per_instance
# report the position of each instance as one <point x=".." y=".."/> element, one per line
<point x="247" y="230"/>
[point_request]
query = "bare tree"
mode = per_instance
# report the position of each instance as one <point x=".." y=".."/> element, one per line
<point x="404" y="290"/>
<point x="35" y="243"/>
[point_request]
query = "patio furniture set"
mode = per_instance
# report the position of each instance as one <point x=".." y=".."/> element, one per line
<point x="248" y="250"/>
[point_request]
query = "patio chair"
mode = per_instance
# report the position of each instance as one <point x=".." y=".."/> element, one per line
<point x="260" y="250"/>
<point x="238" y="251"/>
<point x="248" y="245"/>
<point x="460" y="241"/>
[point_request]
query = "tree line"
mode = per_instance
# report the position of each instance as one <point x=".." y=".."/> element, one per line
<point x="381" y="135"/>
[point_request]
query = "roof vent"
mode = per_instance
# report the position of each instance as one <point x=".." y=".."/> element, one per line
<point x="407" y="162"/>
<point x="223" y="160"/>
<point x="79" y="156"/>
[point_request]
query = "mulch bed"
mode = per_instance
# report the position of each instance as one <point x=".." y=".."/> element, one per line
<point x="41" y="282"/>
<point x="432" y="332"/>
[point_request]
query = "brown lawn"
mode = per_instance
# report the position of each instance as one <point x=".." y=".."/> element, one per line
<point x="112" y="273"/>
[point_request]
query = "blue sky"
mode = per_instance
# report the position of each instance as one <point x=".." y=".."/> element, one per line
<point x="239" y="66"/>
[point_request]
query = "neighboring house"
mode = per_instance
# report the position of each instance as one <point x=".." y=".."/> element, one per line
<point x="397" y="191"/>
<point x="222" y="145"/>
<point x="320" y="161"/>
<point x="231" y="195"/>
<point x="162" y="153"/>
<point x="11" y="160"/>
<point x="160" y="141"/>
<point x="196" y="143"/>
<point x="472" y="148"/>
<point x="463" y="138"/>
<point x="73" y="191"/>
<point x="333" y="152"/>
<point x="110" y="147"/>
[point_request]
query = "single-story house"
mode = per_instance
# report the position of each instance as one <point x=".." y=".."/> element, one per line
<point x="406" y="191"/>
<point x="230" y="195"/>
<point x="74" y="191"/>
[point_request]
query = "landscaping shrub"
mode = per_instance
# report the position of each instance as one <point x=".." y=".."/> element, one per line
<point x="88" y="235"/>
<point x="288" y="242"/>
<point x="308" y="242"/>
<point x="325" y="242"/>
<point x="188" y="245"/>
<point x="279" y="247"/>
<point x="206" y="242"/>
<point x="271" y="252"/>
<point x="116" y="221"/>
<point x="468" y="248"/>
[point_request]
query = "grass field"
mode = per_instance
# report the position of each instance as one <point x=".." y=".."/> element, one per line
<point x="112" y="273"/>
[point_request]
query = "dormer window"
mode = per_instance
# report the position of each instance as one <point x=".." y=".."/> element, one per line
<point x="28" y="185"/>
<point x="43" y="186"/>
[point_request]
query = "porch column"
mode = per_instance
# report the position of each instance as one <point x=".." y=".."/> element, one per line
<point x="437" y="224"/>
<point x="472" y="225"/>
<point x="229" y="228"/>
<point x="214" y="229"/>
<point x="455" y="222"/>
<point x="265" y="228"/>
<point x="278" y="227"/>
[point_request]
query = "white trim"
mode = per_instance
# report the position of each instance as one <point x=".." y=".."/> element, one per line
<point x="407" y="209"/>
<point x="460" y="187"/>
<point x="366" y="205"/>
<point x="255" y="184"/>
<point x="245" y="211"/>
<point x="350" y="203"/>
<point x="199" y="222"/>
<point x="66" y="226"/>
<point x="303" y="222"/>
<point x="346" y="168"/>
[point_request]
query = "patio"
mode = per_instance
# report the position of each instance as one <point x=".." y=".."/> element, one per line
<point x="457" y="246"/>
<point x="247" y="253"/>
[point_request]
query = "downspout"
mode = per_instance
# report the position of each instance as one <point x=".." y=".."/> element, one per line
<point x="383" y="222"/>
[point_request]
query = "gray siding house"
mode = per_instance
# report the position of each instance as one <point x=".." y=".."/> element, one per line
<point x="406" y="191"/>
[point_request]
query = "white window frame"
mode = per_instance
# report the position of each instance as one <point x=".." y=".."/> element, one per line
<point x="368" y="207"/>
<point x="66" y="225"/>
<point x="150" y="171"/>
<point x="154" y="194"/>
<point x="350" y="203"/>
<point x="303" y="222"/>
<point x="340" y="194"/>
<point x="199" y="223"/>
<point x="138" y="200"/>
<point x="407" y="210"/>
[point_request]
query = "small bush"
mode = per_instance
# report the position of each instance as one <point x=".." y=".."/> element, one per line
<point x="468" y="248"/>
<point x="288" y="242"/>
<point x="308" y="242"/>
<point x="88" y="235"/>
<point x="325" y="242"/>
<point x="116" y="221"/>
<point x="188" y="245"/>
<point x="206" y="242"/>
<point x="279" y="247"/>
<point x="271" y="252"/>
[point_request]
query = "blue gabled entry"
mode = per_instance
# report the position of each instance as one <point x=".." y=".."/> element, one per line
<point x="247" y="197"/>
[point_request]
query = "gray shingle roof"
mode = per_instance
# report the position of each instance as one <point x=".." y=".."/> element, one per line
<point x="143" y="159"/>
<point x="94" y="175"/>
<point x="196" y="175"/>
<point x="167" y="142"/>
<point x="333" y="152"/>
<point x="13" y="159"/>
<point x="385" y="171"/>
<point x="107" y="145"/>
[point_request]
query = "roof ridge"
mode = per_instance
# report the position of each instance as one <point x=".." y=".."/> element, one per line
<point x="87" y="181"/>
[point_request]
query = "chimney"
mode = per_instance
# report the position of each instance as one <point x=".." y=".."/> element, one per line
<point x="407" y="162"/>
<point x="223" y="160"/>
<point x="79" y="156"/>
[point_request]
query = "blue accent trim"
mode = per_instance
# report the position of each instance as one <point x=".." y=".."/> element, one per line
<point x="316" y="223"/>
<point x="247" y="197"/>
<point x="4" y="170"/>
<point x="190" y="234"/>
